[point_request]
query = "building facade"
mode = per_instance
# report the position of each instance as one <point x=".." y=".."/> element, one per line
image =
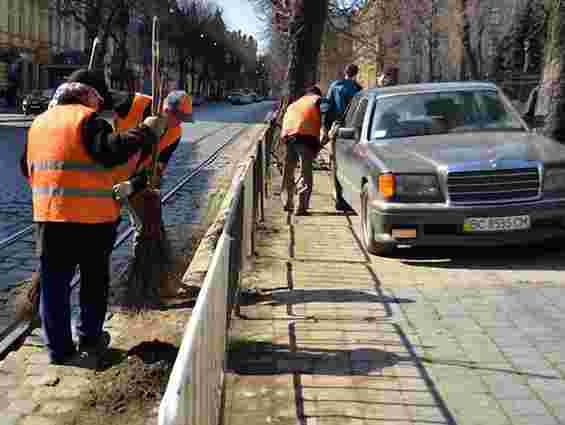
<point x="433" y="49"/>
<point x="376" y="33"/>
<point x="24" y="46"/>
<point x="336" y="52"/>
<point x="68" y="48"/>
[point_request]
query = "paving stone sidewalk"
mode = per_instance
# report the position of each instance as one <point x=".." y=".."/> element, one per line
<point x="339" y="337"/>
<point x="33" y="392"/>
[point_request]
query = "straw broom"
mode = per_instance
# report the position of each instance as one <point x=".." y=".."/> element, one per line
<point x="27" y="301"/>
<point x="152" y="254"/>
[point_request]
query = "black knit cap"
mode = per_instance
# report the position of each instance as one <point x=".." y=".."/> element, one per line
<point x="96" y="80"/>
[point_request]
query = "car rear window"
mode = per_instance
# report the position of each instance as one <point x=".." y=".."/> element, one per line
<point x="422" y="114"/>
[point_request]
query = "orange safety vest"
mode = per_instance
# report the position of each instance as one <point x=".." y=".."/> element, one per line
<point x="302" y="118"/>
<point x="170" y="137"/>
<point x="67" y="184"/>
<point x="135" y="114"/>
<point x="133" y="119"/>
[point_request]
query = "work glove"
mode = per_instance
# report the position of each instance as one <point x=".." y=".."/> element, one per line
<point x="158" y="124"/>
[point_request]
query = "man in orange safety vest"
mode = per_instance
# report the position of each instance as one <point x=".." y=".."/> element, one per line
<point x="301" y="134"/>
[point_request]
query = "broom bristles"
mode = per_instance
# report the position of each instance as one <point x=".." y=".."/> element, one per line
<point x="152" y="255"/>
<point x="27" y="301"/>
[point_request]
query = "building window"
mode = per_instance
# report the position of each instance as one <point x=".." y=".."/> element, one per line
<point x="495" y="16"/>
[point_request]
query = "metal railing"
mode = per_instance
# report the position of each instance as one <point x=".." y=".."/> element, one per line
<point x="194" y="391"/>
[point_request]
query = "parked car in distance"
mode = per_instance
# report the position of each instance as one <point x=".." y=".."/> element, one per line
<point x="447" y="164"/>
<point x="35" y="102"/>
<point x="239" y="98"/>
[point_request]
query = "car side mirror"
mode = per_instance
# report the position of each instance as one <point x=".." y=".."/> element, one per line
<point x="346" y="133"/>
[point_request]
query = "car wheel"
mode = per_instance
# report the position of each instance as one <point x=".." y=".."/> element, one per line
<point x="368" y="233"/>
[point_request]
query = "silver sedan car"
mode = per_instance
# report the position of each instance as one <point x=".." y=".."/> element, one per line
<point x="447" y="164"/>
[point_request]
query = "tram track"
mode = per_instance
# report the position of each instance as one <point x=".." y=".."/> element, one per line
<point x="28" y="230"/>
<point x="16" y="330"/>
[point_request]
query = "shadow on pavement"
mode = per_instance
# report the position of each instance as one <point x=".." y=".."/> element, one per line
<point x="262" y="358"/>
<point x="301" y="296"/>
<point x="247" y="357"/>
<point x="547" y="256"/>
<point x="477" y="366"/>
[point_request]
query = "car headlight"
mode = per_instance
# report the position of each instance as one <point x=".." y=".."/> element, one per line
<point x="554" y="180"/>
<point x="410" y="187"/>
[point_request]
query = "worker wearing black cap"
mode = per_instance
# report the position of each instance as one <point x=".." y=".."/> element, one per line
<point x="70" y="163"/>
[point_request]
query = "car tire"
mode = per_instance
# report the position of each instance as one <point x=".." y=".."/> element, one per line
<point x="367" y="231"/>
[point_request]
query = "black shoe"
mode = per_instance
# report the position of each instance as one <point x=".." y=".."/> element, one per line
<point x="98" y="346"/>
<point x="302" y="213"/>
<point x="90" y="355"/>
<point x="63" y="360"/>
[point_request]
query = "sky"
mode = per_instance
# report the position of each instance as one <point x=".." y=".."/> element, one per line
<point x="239" y="15"/>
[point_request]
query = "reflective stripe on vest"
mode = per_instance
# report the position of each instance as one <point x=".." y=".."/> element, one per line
<point x="133" y="119"/>
<point x="135" y="114"/>
<point x="170" y="137"/>
<point x="67" y="185"/>
<point x="303" y="118"/>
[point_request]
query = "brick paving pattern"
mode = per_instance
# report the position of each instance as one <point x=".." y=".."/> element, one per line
<point x="425" y="337"/>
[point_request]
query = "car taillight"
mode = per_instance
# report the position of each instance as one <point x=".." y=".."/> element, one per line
<point x="387" y="185"/>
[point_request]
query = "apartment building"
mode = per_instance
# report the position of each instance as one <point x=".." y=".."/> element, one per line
<point x="336" y="51"/>
<point x="24" y="45"/>
<point x="68" y="48"/>
<point x="377" y="36"/>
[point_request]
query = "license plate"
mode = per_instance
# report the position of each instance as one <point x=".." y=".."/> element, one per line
<point x="497" y="224"/>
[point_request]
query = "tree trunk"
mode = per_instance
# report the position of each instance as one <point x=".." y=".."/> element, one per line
<point x="306" y="28"/>
<point x="469" y="55"/>
<point x="554" y="72"/>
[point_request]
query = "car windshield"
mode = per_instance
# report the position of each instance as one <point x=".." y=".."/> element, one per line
<point x="422" y="114"/>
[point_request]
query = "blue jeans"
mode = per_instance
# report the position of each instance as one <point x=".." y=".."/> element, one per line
<point x="63" y="246"/>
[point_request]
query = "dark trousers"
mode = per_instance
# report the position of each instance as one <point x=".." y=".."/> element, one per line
<point x="61" y="247"/>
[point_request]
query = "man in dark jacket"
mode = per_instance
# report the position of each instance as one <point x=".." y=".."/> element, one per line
<point x="69" y="161"/>
<point x="339" y="96"/>
<point x="333" y="108"/>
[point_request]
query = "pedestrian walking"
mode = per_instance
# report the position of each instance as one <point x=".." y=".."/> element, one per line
<point x="334" y="107"/>
<point x="339" y="96"/>
<point x="71" y="158"/>
<point x="301" y="135"/>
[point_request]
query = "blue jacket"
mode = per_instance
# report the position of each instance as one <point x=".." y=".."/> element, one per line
<point x="339" y="95"/>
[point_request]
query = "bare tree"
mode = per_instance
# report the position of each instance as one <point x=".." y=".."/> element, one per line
<point x="554" y="72"/>
<point x="188" y="22"/>
<point x="98" y="17"/>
